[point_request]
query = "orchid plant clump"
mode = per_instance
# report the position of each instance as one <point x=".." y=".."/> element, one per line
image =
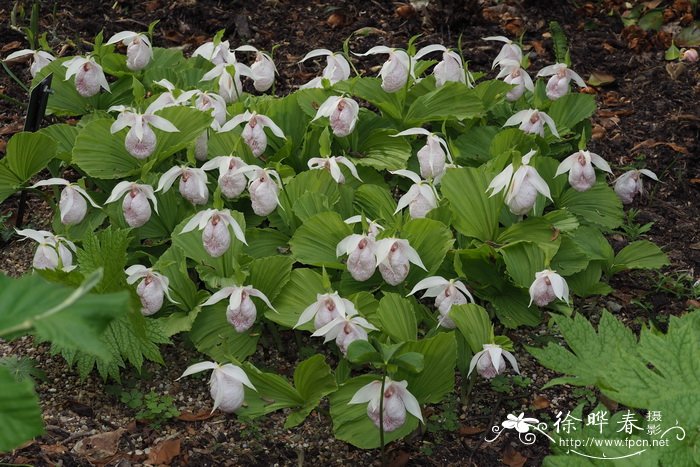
<point x="317" y="213"/>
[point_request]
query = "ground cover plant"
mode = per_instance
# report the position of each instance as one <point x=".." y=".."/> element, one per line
<point x="397" y="217"/>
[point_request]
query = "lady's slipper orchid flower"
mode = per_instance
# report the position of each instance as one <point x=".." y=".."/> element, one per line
<point x="325" y="309"/>
<point x="232" y="182"/>
<point x="362" y="262"/>
<point x="53" y="252"/>
<point x="218" y="53"/>
<point x="135" y="206"/>
<point x="263" y="69"/>
<point x="509" y="51"/>
<point x="512" y="73"/>
<point x="168" y="98"/>
<point x="216" y="237"/>
<point x="532" y="121"/>
<point x="547" y="286"/>
<point x="689" y="55"/>
<point x="213" y="103"/>
<point x="431" y="157"/>
<point x="449" y="69"/>
<point x="229" y="72"/>
<point x="489" y="362"/>
<point x="332" y="165"/>
<point x="254" y="130"/>
<point x="193" y="183"/>
<point x="580" y="168"/>
<point x="558" y="84"/>
<point x="396" y="69"/>
<point x="337" y="68"/>
<point x="263" y="187"/>
<point x="373" y="227"/>
<point x="345" y="329"/>
<point x="39" y="59"/>
<point x="138" y="49"/>
<point x="342" y="113"/>
<point x="420" y="198"/>
<point x="225" y="385"/>
<point x="521" y="187"/>
<point x="241" y="311"/>
<point x="72" y="205"/>
<point x="397" y="401"/>
<point x="89" y="77"/>
<point x="630" y="183"/>
<point x="446" y="293"/>
<point x="151" y="289"/>
<point x="140" y="141"/>
<point x="393" y="258"/>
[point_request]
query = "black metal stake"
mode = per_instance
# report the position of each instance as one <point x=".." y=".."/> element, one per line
<point x="38" y="98"/>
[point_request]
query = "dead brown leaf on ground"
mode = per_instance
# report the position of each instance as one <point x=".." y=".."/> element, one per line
<point x="164" y="452"/>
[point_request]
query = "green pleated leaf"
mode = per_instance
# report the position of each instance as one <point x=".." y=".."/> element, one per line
<point x="214" y="336"/>
<point x="351" y="423"/>
<point x="173" y="265"/>
<point x="64" y="135"/>
<point x="474" y="213"/>
<point x="523" y="260"/>
<point x="451" y="101"/>
<point x="641" y="254"/>
<point x="269" y="275"/>
<point x="474" y="324"/>
<point x="512" y="308"/>
<point x="315" y="241"/>
<point x="9" y="182"/>
<point x="374" y="201"/>
<point x="20" y="414"/>
<point x="28" y="153"/>
<point x="272" y="392"/>
<point x="299" y="293"/>
<point x="599" y="206"/>
<point x="373" y="146"/>
<point x="571" y="109"/>
<point x="370" y="89"/>
<point x="397" y="317"/>
<point x="432" y="240"/>
<point x="570" y="257"/>
<point x="265" y="242"/>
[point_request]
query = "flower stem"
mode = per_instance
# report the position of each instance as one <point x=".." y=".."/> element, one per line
<point x="381" y="419"/>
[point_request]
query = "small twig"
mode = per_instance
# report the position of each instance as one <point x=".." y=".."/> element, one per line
<point x="491" y="420"/>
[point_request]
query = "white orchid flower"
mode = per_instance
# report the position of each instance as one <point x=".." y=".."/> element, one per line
<point x="231" y="181"/>
<point x="140" y="141"/>
<point x="219" y="53"/>
<point x="431" y="157"/>
<point x="331" y="164"/>
<point x="225" y="385"/>
<point x="396" y="69"/>
<point x="151" y="289"/>
<point x="362" y="262"/>
<point x="169" y="97"/>
<point x="241" y="311"/>
<point x="138" y="49"/>
<point x="446" y="293"/>
<point x="212" y="103"/>
<point x="216" y="237"/>
<point x="254" y="130"/>
<point x="135" y="206"/>
<point x="229" y="73"/>
<point x="373" y="227"/>
<point x="345" y="329"/>
<point x="263" y="187"/>
<point x="89" y="77"/>
<point x="393" y="258"/>
<point x="397" y="401"/>
<point x="337" y="68"/>
<point x="630" y="183"/>
<point x="342" y="113"/>
<point x="561" y="75"/>
<point x="421" y="198"/>
<point x="39" y="59"/>
<point x="450" y="68"/>
<point x="520" y="423"/>
<point x="489" y="362"/>
<point x="513" y="73"/>
<point x="509" y="51"/>
<point x="263" y="69"/>
<point x="72" y="205"/>
<point x="521" y="187"/>
<point x="547" y="286"/>
<point x="580" y="168"/>
<point x="532" y="121"/>
<point x="325" y="309"/>
<point x="53" y="252"/>
<point x="193" y="183"/>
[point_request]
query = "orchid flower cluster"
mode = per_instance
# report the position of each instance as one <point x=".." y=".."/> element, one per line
<point x="363" y="226"/>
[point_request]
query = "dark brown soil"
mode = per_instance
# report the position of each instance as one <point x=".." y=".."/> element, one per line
<point x="645" y="115"/>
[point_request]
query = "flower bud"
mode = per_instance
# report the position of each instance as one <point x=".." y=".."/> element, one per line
<point x="142" y="147"/>
<point x="216" y="236"/>
<point x="242" y="317"/>
<point x="362" y="262"/>
<point x="690" y="55"/>
<point x="72" y="206"/>
<point x="138" y="54"/>
<point x="150" y="291"/>
<point x="255" y="137"/>
<point x="201" y="146"/>
<point x="46" y="257"/>
<point x="137" y="210"/>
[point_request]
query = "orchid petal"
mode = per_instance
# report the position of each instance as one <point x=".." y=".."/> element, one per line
<point x="197" y="367"/>
<point x="168" y="178"/>
<point x="237" y="373"/>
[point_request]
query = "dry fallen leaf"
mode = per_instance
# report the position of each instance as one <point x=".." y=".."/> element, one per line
<point x="675" y="69"/>
<point x="400" y="459"/>
<point x="53" y="449"/>
<point x="471" y="430"/>
<point x="99" y="446"/>
<point x="599" y="78"/>
<point x="195" y="417"/>
<point x="164" y="452"/>
<point x="513" y="458"/>
<point x="540" y="402"/>
<point x="14" y="45"/>
<point x="336" y="20"/>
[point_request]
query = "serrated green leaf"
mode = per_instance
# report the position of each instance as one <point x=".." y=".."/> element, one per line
<point x="20" y="414"/>
<point x="106" y="250"/>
